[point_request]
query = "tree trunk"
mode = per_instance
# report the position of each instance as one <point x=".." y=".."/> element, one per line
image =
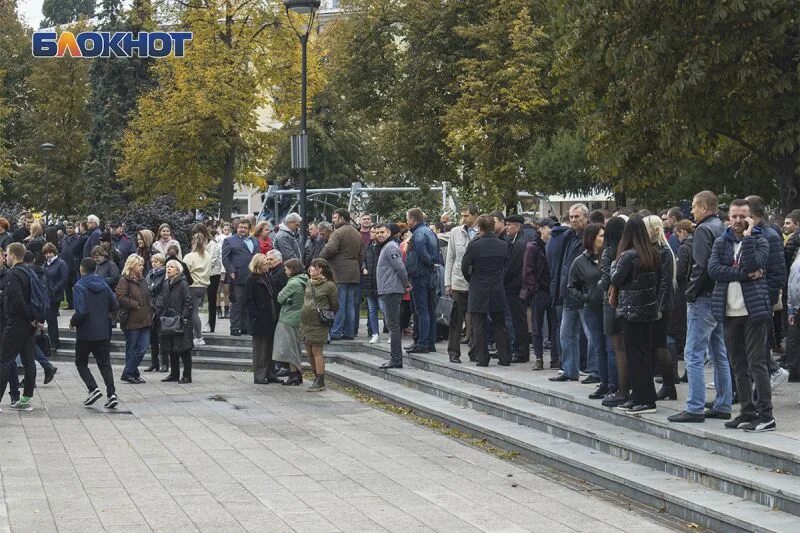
<point x="621" y="199"/>
<point x="789" y="181"/>
<point x="226" y="199"/>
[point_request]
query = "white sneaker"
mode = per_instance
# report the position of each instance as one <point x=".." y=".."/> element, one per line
<point x="780" y="377"/>
<point x="199" y="342"/>
<point x="375" y="338"/>
<point x="710" y="385"/>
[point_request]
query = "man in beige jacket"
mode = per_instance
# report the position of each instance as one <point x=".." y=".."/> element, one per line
<point x="455" y="285"/>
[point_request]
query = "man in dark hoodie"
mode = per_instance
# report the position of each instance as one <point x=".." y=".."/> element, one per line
<point x="19" y="326"/>
<point x="94" y="301"/>
<point x="536" y="290"/>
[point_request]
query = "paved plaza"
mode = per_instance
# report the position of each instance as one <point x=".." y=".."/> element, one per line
<point x="225" y="455"/>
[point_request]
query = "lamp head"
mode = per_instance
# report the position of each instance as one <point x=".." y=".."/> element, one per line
<point x="302" y="6"/>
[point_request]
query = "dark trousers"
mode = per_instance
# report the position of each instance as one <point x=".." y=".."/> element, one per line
<point x="793" y="347"/>
<point x="175" y="360"/>
<point x="744" y="340"/>
<point x="18" y="339"/>
<point x="211" y="293"/>
<point x="519" y="321"/>
<point x="52" y="325"/>
<point x="457" y="320"/>
<point x="102" y="356"/>
<point x="238" y="310"/>
<point x="542" y="307"/>
<point x="155" y="346"/>
<point x="422" y="297"/>
<point x="262" y="356"/>
<point x="639" y="350"/>
<point x="479" y="324"/>
<point x="391" y="314"/>
<point x="405" y="314"/>
<point x="71" y="279"/>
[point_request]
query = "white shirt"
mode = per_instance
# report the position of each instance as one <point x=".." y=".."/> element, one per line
<point x="734" y="305"/>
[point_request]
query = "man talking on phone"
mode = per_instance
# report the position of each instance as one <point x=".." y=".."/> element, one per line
<point x="741" y="301"/>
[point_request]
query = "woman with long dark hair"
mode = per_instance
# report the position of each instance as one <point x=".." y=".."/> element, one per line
<point x="584" y="286"/>
<point x="612" y="324"/>
<point x="635" y="274"/>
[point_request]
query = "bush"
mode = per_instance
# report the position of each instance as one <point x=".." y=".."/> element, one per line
<point x="152" y="215"/>
<point x="11" y="212"/>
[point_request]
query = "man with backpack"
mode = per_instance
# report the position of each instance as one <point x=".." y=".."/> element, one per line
<point x="20" y="324"/>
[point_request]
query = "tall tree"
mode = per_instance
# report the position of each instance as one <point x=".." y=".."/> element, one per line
<point x="116" y="85"/>
<point x="15" y="66"/>
<point x="66" y="11"/>
<point x="197" y="134"/>
<point x="502" y="98"/>
<point x="661" y="86"/>
<point x="56" y="113"/>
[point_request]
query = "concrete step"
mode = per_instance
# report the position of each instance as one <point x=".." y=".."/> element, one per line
<point x="198" y="361"/>
<point x="758" y="484"/>
<point x="771" y="451"/>
<point x="676" y="495"/>
<point x="212" y="339"/>
<point x="209" y="350"/>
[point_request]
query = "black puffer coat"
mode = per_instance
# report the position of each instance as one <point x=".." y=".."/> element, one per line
<point x="369" y="281"/>
<point x="638" y="291"/>
<point x="176" y="298"/>
<point x="584" y="282"/>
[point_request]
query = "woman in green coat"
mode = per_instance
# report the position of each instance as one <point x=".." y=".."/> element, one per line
<point x="290" y="298"/>
<point x="321" y="294"/>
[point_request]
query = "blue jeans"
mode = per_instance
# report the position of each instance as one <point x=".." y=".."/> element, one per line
<point x="613" y="377"/>
<point x="422" y="297"/>
<point x="597" y="357"/>
<point x="570" y="336"/>
<point x="137" y="341"/>
<point x="344" y="321"/>
<point x="705" y="334"/>
<point x="373" y="323"/>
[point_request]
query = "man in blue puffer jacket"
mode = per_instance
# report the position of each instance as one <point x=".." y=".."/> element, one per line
<point x="738" y="263"/>
<point x="423" y="252"/>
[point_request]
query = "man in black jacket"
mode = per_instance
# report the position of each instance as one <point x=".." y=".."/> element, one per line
<point x="704" y="333"/>
<point x="19" y="326"/>
<point x="70" y="250"/>
<point x="571" y="326"/>
<point x="513" y="283"/>
<point x="483" y="268"/>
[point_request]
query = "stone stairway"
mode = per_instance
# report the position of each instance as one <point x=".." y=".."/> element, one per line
<point x="725" y="480"/>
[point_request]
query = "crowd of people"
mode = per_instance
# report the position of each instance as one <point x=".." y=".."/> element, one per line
<point x="619" y="298"/>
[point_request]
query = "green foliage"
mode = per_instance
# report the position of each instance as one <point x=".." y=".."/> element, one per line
<point x="657" y="85"/>
<point x="116" y="84"/>
<point x="66" y="11"/>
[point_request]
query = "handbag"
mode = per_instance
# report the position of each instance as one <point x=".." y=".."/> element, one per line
<point x="444" y="310"/>
<point x="171" y="324"/>
<point x="326" y="316"/>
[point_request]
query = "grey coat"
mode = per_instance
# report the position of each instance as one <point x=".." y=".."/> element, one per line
<point x="392" y="276"/>
<point x="287" y="244"/>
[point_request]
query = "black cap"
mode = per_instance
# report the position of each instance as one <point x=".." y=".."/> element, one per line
<point x="517" y="219"/>
<point x="545" y="222"/>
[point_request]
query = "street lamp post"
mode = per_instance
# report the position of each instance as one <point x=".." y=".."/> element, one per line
<point x="300" y="144"/>
<point x="47" y="148"/>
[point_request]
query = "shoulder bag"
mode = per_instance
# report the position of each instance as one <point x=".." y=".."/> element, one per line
<point x="326" y="316"/>
<point x="171" y="324"/>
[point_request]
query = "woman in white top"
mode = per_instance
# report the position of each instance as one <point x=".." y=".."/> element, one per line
<point x="199" y="263"/>
<point x="223" y="311"/>
<point x="213" y="249"/>
<point x="165" y="240"/>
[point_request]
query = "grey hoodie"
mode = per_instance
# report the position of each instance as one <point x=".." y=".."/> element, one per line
<point x="392" y="276"/>
<point x="287" y="243"/>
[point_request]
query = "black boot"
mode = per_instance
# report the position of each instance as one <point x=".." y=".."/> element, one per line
<point x="667" y="392"/>
<point x="318" y="385"/>
<point x="219" y="312"/>
<point x="295" y="378"/>
<point x="186" y="358"/>
<point x="154" y="366"/>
